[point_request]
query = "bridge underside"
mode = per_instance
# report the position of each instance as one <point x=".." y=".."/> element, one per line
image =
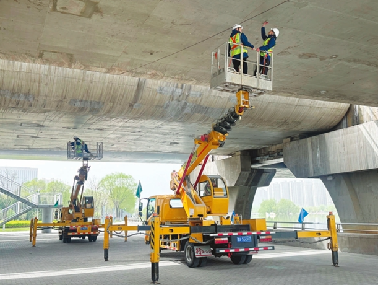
<point x="42" y="107"/>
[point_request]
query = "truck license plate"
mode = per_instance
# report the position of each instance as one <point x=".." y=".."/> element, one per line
<point x="244" y="239"/>
<point x="83" y="228"/>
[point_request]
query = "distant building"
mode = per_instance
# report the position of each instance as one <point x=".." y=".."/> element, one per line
<point x="303" y="192"/>
<point x="19" y="174"/>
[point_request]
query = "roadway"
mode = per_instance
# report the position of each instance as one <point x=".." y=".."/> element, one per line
<point x="81" y="262"/>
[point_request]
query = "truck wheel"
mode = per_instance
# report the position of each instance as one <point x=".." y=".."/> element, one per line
<point x="68" y="239"/>
<point x="90" y="238"/>
<point x="190" y="257"/>
<point x="60" y="237"/>
<point x="83" y="237"/>
<point x="94" y="238"/>
<point x="238" y="259"/>
<point x="248" y="259"/>
<point x="64" y="239"/>
<point x="203" y="261"/>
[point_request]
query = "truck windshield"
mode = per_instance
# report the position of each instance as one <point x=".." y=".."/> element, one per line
<point x="151" y="207"/>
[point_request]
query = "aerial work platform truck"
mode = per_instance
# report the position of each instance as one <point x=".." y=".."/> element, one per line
<point x="75" y="220"/>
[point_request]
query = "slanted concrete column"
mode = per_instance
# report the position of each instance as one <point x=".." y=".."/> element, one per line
<point x="355" y="195"/>
<point x="244" y="190"/>
<point x="47" y="217"/>
<point x="241" y="179"/>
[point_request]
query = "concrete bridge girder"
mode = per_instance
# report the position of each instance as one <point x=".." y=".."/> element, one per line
<point x="346" y="161"/>
<point x="43" y="106"/>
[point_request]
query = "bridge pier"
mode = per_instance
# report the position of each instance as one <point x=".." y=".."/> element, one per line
<point x="346" y="161"/>
<point x="47" y="217"/>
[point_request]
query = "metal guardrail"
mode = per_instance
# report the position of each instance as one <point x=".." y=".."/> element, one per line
<point x="359" y="228"/>
<point x="301" y="226"/>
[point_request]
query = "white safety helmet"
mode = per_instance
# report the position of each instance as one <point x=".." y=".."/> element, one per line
<point x="276" y="31"/>
<point x="75" y="137"/>
<point x="237" y="26"/>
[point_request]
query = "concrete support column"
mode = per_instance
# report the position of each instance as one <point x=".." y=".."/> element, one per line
<point x="355" y="195"/>
<point x="47" y="217"/>
<point x="244" y="190"/>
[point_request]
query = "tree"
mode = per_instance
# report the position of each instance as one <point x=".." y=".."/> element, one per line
<point x="267" y="206"/>
<point x="286" y="208"/>
<point x="57" y="187"/>
<point x="120" y="188"/>
<point x="33" y="187"/>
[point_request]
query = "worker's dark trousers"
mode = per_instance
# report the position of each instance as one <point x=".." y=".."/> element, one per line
<point x="236" y="63"/>
<point x="264" y="61"/>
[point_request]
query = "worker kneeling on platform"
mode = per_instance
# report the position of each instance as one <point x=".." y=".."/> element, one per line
<point x="237" y="38"/>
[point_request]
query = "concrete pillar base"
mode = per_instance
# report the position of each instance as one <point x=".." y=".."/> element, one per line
<point x="47" y="217"/>
<point x="355" y="195"/>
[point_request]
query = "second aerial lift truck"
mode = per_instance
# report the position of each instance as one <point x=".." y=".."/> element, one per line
<point x="75" y="220"/>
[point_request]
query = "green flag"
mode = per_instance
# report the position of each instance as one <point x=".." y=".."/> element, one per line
<point x="139" y="190"/>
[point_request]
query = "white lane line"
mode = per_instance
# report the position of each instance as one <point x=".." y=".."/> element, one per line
<point x="77" y="271"/>
<point x="290" y="254"/>
<point x="21" y="240"/>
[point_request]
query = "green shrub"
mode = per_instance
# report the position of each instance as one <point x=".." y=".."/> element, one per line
<point x="18" y="224"/>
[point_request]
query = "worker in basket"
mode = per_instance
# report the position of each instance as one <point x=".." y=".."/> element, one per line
<point x="238" y="38"/>
<point x="79" y="146"/>
<point x="266" y="49"/>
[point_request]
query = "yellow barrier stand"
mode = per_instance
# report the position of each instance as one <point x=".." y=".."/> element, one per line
<point x="126" y="230"/>
<point x="106" y="240"/>
<point x="333" y="245"/>
<point x="111" y="223"/>
<point x="34" y="231"/>
<point x="155" y="248"/>
<point x="31" y="230"/>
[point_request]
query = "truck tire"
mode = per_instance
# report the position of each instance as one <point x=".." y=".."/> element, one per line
<point x="60" y="237"/>
<point x="94" y="238"/>
<point x="190" y="257"/>
<point x="90" y="238"/>
<point x="64" y="239"/>
<point x="248" y="259"/>
<point x="238" y="259"/>
<point x="68" y="239"/>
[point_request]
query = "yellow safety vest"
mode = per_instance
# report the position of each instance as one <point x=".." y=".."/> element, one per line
<point x="78" y="148"/>
<point x="266" y="42"/>
<point x="235" y="45"/>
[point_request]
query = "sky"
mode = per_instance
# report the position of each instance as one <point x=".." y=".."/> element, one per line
<point x="153" y="177"/>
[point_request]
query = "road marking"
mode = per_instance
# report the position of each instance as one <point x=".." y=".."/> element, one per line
<point x="21" y="240"/>
<point x="290" y="254"/>
<point x="77" y="271"/>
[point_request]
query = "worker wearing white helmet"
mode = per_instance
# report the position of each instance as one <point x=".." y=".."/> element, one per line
<point x="237" y="38"/>
<point x="267" y="48"/>
<point x="79" y="146"/>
